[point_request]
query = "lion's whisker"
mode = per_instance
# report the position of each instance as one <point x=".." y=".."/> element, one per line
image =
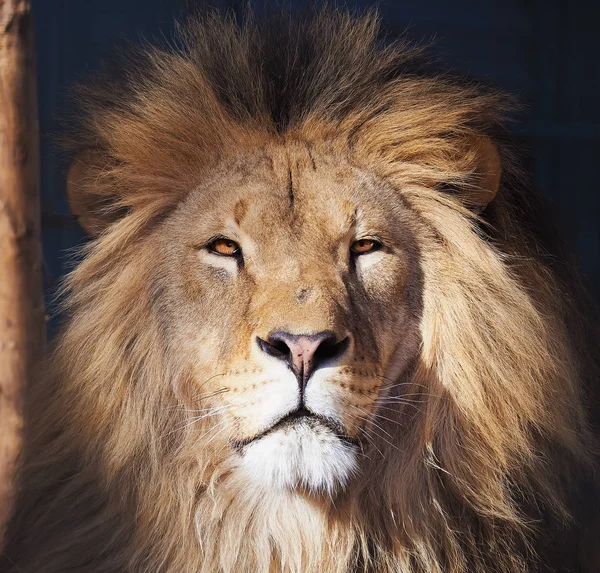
<point x="209" y="379"/>
<point x="222" y="424"/>
<point x="373" y="426"/>
<point x="393" y="384"/>
<point x="423" y="394"/>
<point x="194" y="419"/>
<point x="215" y="393"/>
<point x="367" y="418"/>
<point x="413" y="403"/>
<point x="225" y="427"/>
<point x="405" y="403"/>
<point x="369" y="439"/>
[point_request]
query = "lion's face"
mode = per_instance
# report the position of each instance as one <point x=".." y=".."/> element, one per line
<point x="288" y="286"/>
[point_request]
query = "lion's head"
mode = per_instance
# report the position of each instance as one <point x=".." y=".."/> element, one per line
<point x="287" y="288"/>
<point x="313" y="330"/>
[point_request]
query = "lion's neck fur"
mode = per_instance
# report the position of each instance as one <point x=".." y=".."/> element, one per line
<point x="171" y="521"/>
<point x="271" y="531"/>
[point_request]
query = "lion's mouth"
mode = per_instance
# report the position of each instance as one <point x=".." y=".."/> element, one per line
<point x="301" y="416"/>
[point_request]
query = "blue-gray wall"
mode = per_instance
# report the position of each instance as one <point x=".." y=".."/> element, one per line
<point x="543" y="51"/>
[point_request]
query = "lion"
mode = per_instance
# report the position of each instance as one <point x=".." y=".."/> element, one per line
<point x="317" y="326"/>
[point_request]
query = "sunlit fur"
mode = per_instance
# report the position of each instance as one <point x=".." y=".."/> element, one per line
<point x="478" y="456"/>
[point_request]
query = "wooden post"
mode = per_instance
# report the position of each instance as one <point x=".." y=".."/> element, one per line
<point x="21" y="306"/>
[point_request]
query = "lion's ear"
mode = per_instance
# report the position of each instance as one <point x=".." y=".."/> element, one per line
<point x="483" y="155"/>
<point x="94" y="206"/>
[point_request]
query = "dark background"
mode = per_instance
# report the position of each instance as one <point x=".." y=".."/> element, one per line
<point x="545" y="52"/>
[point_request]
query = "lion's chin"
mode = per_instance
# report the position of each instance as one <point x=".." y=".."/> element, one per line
<point x="299" y="456"/>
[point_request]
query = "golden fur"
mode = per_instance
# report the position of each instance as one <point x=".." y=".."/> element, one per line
<point x="466" y="381"/>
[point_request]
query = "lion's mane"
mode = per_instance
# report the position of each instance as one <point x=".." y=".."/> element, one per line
<point x="497" y="452"/>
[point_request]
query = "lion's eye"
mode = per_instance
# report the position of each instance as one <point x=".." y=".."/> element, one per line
<point x="225" y="247"/>
<point x="363" y="246"/>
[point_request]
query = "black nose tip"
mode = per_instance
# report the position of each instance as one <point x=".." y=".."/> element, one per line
<point x="304" y="353"/>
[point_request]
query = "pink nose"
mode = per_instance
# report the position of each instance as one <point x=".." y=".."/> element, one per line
<point x="304" y="353"/>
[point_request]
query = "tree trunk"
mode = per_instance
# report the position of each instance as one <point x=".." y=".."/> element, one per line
<point x="21" y="306"/>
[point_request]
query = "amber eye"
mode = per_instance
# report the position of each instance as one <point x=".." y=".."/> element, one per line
<point x="225" y="247"/>
<point x="363" y="246"/>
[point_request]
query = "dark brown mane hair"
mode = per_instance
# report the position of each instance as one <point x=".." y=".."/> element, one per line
<point x="221" y="85"/>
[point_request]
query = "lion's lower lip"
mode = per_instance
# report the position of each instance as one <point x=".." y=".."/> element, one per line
<point x="300" y="416"/>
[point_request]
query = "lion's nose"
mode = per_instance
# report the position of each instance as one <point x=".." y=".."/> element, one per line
<point x="304" y="353"/>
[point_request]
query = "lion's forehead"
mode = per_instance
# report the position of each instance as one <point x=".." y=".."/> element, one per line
<point x="289" y="198"/>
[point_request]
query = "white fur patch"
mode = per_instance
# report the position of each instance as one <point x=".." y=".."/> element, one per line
<point x="304" y="454"/>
